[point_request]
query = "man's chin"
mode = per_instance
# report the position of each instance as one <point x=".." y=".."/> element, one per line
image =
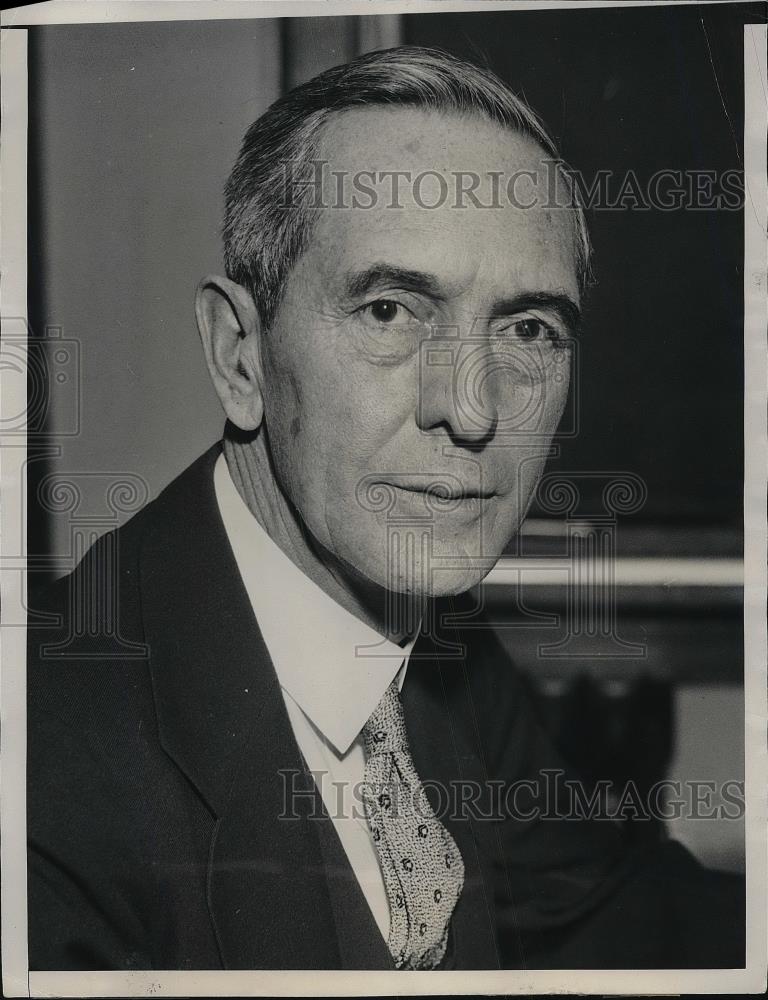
<point x="436" y="581"/>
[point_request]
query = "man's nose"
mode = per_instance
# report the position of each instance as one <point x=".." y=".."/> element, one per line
<point x="454" y="394"/>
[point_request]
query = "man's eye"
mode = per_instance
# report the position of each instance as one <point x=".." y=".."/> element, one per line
<point x="530" y="329"/>
<point x="387" y="311"/>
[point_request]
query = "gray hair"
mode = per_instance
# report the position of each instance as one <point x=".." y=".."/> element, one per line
<point x="265" y="235"/>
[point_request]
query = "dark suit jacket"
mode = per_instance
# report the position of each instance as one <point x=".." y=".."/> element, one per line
<point x="160" y="751"/>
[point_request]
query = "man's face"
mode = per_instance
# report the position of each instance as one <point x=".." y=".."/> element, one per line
<point x="417" y="366"/>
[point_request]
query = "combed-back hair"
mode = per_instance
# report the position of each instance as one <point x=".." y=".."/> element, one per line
<point x="267" y="227"/>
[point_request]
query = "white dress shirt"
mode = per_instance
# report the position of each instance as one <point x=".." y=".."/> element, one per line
<point x="333" y="670"/>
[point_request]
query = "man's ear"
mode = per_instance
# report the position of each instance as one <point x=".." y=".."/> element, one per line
<point x="230" y="329"/>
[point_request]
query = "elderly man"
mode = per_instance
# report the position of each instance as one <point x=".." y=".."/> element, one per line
<point x="244" y="735"/>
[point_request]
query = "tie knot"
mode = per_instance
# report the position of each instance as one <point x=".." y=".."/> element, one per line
<point x="384" y="732"/>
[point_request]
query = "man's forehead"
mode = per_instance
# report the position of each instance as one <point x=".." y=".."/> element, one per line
<point x="404" y="138"/>
<point x="424" y="218"/>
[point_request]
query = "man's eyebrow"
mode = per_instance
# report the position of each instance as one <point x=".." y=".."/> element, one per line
<point x="556" y="302"/>
<point x="359" y="283"/>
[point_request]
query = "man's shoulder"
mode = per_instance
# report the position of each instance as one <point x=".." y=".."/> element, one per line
<point x="173" y="516"/>
<point x="115" y="553"/>
<point x="87" y="651"/>
<point x="97" y="773"/>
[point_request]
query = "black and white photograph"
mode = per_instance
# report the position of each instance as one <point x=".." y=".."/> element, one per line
<point x="384" y="483"/>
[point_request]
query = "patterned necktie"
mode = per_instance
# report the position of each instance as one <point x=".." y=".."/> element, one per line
<point x="421" y="864"/>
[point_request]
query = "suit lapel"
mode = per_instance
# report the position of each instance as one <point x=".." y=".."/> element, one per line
<point x="361" y="945"/>
<point x="438" y="713"/>
<point x="222" y="719"/>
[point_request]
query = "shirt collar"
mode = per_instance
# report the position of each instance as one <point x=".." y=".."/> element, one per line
<point x="334" y="666"/>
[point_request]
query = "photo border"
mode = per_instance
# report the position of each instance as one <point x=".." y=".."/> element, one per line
<point x="18" y="981"/>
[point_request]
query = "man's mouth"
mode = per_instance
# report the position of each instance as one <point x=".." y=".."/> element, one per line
<point x="440" y="491"/>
